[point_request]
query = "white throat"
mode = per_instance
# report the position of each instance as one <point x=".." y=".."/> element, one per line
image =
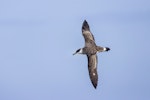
<point x="81" y="51"/>
<point x="104" y="49"/>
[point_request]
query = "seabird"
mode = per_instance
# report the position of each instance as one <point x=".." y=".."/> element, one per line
<point x="91" y="49"/>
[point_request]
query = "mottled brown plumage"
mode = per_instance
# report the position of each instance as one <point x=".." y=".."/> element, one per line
<point x="90" y="49"/>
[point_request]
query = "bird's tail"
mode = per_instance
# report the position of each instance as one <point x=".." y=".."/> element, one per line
<point x="85" y="26"/>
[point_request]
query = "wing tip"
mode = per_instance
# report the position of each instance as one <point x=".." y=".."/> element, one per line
<point x="94" y="84"/>
<point x="85" y="26"/>
<point x="94" y="78"/>
<point x="85" y="21"/>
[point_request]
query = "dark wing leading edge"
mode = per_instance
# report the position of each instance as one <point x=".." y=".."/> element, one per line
<point x="88" y="36"/>
<point x="92" y="67"/>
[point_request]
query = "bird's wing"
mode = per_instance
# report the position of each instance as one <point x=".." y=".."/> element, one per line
<point x="88" y="36"/>
<point x="92" y="67"/>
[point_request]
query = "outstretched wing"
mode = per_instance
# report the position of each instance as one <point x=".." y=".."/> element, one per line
<point x="92" y="67"/>
<point x="88" y="36"/>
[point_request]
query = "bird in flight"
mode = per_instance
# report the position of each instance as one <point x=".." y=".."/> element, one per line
<point x="91" y="49"/>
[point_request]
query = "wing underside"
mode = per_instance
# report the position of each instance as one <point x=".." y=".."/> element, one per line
<point x="88" y="36"/>
<point x="92" y="67"/>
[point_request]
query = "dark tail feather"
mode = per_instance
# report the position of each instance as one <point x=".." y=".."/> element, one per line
<point x="85" y="26"/>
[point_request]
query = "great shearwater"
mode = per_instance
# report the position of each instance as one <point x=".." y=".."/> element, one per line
<point x="91" y="49"/>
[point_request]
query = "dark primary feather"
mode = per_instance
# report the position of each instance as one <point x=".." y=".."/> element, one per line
<point x="92" y="67"/>
<point x="85" y="26"/>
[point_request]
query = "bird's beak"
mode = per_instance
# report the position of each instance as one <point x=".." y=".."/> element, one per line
<point x="74" y="53"/>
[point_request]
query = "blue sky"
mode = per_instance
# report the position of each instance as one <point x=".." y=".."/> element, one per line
<point x="38" y="38"/>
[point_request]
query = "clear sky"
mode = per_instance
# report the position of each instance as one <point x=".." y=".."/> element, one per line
<point x="38" y="38"/>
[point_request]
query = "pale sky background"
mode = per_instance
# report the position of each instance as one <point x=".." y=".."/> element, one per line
<point x="38" y="38"/>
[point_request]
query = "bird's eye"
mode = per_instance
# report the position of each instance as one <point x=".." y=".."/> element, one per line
<point x="78" y="50"/>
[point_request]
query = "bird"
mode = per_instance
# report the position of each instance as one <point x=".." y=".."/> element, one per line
<point x="90" y="50"/>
